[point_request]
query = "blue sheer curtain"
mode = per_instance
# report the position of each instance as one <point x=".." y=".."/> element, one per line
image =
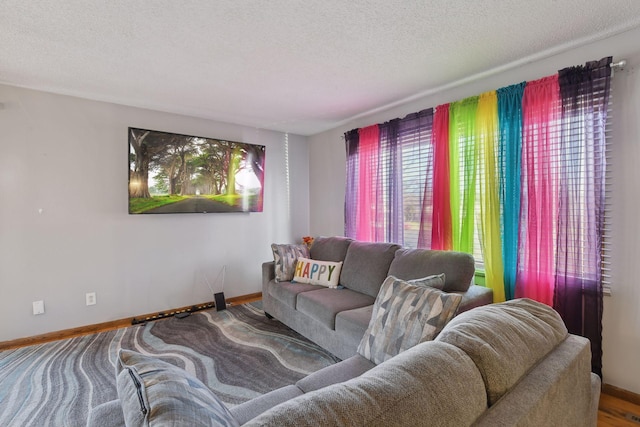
<point x="510" y="161"/>
<point x="584" y="91"/>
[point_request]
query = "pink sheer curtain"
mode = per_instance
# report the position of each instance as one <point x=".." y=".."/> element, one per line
<point x="536" y="259"/>
<point x="368" y="159"/>
<point x="441" y="229"/>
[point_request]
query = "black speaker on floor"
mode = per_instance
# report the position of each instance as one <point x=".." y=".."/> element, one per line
<point x="220" y="302"/>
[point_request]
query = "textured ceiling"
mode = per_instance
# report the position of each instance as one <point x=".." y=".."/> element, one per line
<point x="294" y="66"/>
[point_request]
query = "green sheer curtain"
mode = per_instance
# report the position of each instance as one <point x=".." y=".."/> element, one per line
<point x="462" y="170"/>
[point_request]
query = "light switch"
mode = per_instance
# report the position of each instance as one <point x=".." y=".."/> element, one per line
<point x="38" y="307"/>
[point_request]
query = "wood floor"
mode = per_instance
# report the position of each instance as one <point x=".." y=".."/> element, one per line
<point x="615" y="411"/>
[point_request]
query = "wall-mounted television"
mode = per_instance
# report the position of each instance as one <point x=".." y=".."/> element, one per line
<point x="173" y="173"/>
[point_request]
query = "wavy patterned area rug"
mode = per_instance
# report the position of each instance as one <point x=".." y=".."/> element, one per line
<point x="238" y="353"/>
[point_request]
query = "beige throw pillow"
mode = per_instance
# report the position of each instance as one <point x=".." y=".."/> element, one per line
<point x="324" y="273"/>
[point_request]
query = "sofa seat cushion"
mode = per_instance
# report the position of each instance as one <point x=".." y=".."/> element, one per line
<point x="324" y="304"/>
<point x="354" y="323"/>
<point x="157" y="393"/>
<point x="287" y="292"/>
<point x="458" y="267"/>
<point x="254" y="407"/>
<point x="505" y="340"/>
<point x="431" y="382"/>
<point x="108" y="414"/>
<point x="340" y="372"/>
<point x="366" y="266"/>
<point x="405" y="315"/>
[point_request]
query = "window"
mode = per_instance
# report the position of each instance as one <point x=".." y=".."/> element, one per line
<point x="527" y="152"/>
<point x="515" y="177"/>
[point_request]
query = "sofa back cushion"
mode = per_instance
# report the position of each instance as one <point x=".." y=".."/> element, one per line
<point x="366" y="266"/>
<point x="458" y="267"/>
<point x="505" y="340"/>
<point x="330" y="248"/>
<point x="429" y="384"/>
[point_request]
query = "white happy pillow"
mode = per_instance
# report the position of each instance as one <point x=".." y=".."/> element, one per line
<point x="324" y="273"/>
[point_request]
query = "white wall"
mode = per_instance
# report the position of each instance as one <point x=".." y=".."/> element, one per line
<point x="69" y="157"/>
<point x="621" y="323"/>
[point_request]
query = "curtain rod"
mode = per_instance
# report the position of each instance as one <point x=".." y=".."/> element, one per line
<point x="619" y="65"/>
<point x="614" y="66"/>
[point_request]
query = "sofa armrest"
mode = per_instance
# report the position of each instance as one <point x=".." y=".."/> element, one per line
<point x="268" y="272"/>
<point x="475" y="296"/>
<point x="252" y="408"/>
<point x="338" y="373"/>
<point x="557" y="391"/>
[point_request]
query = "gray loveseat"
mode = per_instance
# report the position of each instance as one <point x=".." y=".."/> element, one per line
<point x="336" y="319"/>
<point x="508" y="364"/>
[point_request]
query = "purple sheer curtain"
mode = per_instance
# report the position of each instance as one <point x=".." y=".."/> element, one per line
<point x="584" y="91"/>
<point x="390" y="175"/>
<point x="405" y="147"/>
<point x="352" y="139"/>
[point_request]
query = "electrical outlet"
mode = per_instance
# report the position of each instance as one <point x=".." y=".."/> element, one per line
<point x="38" y="307"/>
<point x="91" y="298"/>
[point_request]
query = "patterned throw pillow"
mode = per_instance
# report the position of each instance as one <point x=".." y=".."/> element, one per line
<point x="285" y="258"/>
<point x="405" y="315"/>
<point x="156" y="393"/>
<point x="324" y="273"/>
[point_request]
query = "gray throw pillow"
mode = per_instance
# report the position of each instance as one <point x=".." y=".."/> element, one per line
<point x="404" y="315"/>
<point x="156" y="393"/>
<point x="435" y="281"/>
<point x="285" y="258"/>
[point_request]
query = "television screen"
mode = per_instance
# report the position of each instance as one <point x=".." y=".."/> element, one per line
<point x="172" y="173"/>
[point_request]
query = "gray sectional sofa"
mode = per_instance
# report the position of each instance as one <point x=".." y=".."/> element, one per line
<point x="336" y="319"/>
<point x="507" y="364"/>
